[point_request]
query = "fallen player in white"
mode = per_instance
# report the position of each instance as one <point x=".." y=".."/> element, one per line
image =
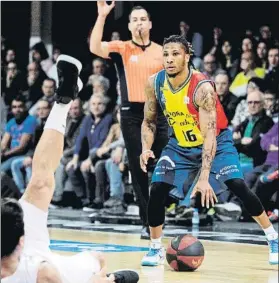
<point x="25" y="252"/>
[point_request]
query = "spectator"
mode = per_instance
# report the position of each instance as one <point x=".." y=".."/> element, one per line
<point x="73" y="125"/>
<point x="216" y="41"/>
<point x="264" y="190"/>
<point x="25" y="162"/>
<point x="197" y="42"/>
<point x="41" y="56"/>
<point x="247" y="135"/>
<point x="3" y="116"/>
<point x="14" y="83"/>
<point x="249" y="70"/>
<point x="272" y="74"/>
<point x="115" y="35"/>
<point x="266" y="36"/>
<point x="247" y="45"/>
<point x="99" y="83"/>
<point x="112" y="146"/>
<point x="52" y="72"/>
<point x="10" y="56"/>
<point x="35" y="78"/>
<point x="48" y="90"/>
<point x="18" y="135"/>
<point x="227" y="99"/>
<point x="227" y="59"/>
<point x="210" y="66"/>
<point x="115" y="167"/>
<point x="269" y="102"/>
<point x="242" y="112"/>
<point x="261" y="56"/>
<point x="99" y="67"/>
<point x="269" y="143"/>
<point x="94" y="129"/>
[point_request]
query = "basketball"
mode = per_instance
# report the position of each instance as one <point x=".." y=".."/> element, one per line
<point x="185" y="253"/>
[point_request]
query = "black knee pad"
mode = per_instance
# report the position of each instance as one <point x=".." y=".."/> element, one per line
<point x="156" y="205"/>
<point x="250" y="200"/>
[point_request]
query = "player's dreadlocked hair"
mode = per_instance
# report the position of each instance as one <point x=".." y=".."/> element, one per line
<point x="186" y="45"/>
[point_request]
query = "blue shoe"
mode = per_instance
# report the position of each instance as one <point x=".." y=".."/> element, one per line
<point x="273" y="248"/>
<point x="154" y="257"/>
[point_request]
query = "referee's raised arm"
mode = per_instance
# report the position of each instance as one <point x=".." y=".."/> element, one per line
<point x="96" y="45"/>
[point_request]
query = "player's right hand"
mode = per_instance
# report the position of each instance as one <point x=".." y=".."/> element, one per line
<point x="146" y="154"/>
<point x="104" y="9"/>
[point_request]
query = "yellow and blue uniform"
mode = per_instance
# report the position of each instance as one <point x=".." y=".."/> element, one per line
<point x="181" y="159"/>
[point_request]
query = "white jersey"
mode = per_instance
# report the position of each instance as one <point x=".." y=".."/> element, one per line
<point x="72" y="269"/>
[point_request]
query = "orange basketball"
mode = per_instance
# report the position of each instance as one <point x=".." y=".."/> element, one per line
<point x="185" y="253"/>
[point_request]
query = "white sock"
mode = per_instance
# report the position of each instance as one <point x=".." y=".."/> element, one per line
<point x="270" y="230"/>
<point x="58" y="116"/>
<point x="156" y="243"/>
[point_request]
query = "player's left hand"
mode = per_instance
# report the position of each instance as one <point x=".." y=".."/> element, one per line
<point x="207" y="194"/>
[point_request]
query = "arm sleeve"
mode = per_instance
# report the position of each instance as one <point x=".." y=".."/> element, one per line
<point x="116" y="46"/>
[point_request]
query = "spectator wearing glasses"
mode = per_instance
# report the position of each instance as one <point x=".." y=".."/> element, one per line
<point x="241" y="112"/>
<point x="247" y="135"/>
<point x="210" y="66"/>
<point x="270" y="103"/>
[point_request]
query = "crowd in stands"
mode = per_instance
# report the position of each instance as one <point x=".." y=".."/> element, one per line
<point x="94" y="172"/>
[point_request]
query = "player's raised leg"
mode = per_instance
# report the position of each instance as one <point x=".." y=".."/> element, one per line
<point x="50" y="147"/>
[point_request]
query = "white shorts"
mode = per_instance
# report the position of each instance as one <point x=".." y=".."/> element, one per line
<point x="73" y="269"/>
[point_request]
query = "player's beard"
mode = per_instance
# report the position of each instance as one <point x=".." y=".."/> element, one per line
<point x="179" y="72"/>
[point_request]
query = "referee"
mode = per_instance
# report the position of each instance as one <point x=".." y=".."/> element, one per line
<point x="136" y="60"/>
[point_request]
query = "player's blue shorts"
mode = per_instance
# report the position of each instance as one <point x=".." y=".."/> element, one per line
<point x="180" y="166"/>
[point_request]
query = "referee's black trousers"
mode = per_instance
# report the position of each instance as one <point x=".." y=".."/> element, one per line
<point x="131" y="120"/>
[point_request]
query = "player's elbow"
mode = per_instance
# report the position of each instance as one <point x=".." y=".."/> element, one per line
<point x="93" y="49"/>
<point x="97" y="50"/>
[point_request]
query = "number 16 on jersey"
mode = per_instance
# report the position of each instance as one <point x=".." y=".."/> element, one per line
<point x="189" y="137"/>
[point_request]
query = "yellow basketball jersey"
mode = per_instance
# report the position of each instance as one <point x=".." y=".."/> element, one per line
<point x="180" y="109"/>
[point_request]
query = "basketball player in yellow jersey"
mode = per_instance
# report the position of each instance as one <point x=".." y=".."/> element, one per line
<point x="200" y="146"/>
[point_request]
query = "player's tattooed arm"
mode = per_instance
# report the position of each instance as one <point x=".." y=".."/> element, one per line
<point x="148" y="128"/>
<point x="206" y="100"/>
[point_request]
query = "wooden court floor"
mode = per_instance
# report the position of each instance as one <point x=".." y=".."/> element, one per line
<point x="224" y="262"/>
